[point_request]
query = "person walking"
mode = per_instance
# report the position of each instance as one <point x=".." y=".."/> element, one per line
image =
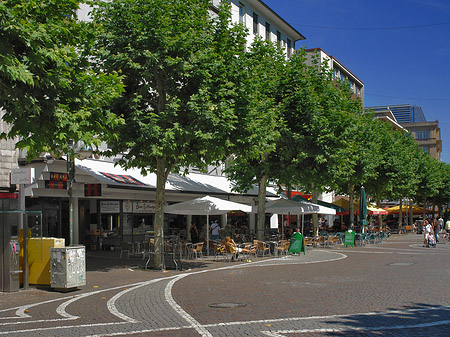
<point x="194" y="233"/>
<point x="426" y="232"/>
<point x="447" y="226"/>
<point x="436" y="229"/>
<point x="215" y="231"/>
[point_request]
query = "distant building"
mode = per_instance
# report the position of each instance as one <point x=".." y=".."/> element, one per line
<point x="261" y="20"/>
<point x="404" y="113"/>
<point x="411" y="117"/>
<point x="340" y="72"/>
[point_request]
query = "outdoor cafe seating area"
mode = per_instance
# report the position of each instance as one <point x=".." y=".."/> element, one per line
<point x="245" y="247"/>
<point x="177" y="251"/>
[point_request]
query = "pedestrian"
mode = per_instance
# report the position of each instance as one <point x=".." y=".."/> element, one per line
<point x="426" y="232"/>
<point x="436" y="229"/>
<point x="447" y="226"/>
<point x="194" y="233"/>
<point x="215" y="231"/>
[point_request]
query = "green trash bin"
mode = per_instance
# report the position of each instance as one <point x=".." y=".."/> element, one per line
<point x="297" y="244"/>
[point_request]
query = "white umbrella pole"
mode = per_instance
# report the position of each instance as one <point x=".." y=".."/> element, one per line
<point x="207" y="234"/>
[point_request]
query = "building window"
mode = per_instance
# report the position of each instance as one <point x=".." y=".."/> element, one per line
<point x="426" y="149"/>
<point x="267" y="31"/>
<point x="335" y="73"/>
<point x="289" y="48"/>
<point x="255" y="23"/>
<point x="279" y="38"/>
<point x="422" y="135"/>
<point x="242" y="13"/>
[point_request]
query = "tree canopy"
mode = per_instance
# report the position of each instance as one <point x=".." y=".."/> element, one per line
<point x="179" y="65"/>
<point x="49" y="93"/>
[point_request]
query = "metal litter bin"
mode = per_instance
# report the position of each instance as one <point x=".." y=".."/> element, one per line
<point x="68" y="267"/>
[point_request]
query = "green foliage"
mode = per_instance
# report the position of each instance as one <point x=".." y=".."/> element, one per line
<point x="258" y="112"/>
<point x="179" y="68"/>
<point x="320" y="122"/>
<point x="48" y="91"/>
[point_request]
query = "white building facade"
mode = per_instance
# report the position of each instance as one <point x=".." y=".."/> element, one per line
<point x="340" y="72"/>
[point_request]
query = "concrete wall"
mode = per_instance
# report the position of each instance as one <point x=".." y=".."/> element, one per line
<point x="8" y="156"/>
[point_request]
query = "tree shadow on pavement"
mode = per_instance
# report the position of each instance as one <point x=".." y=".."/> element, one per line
<point x="107" y="260"/>
<point x="418" y="320"/>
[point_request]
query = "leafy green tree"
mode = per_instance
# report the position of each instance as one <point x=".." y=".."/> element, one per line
<point x="443" y="197"/>
<point x="50" y="95"/>
<point x="361" y="154"/>
<point x="321" y="117"/>
<point x="404" y="172"/>
<point x="180" y="66"/>
<point x="428" y="180"/>
<point x="258" y="113"/>
<point x="397" y="165"/>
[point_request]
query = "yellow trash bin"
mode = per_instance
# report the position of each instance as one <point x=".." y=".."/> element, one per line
<point x="39" y="258"/>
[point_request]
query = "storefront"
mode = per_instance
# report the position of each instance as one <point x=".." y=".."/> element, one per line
<point x="112" y="205"/>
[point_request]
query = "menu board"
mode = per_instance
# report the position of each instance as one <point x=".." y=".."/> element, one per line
<point x="349" y="238"/>
<point x="139" y="207"/>
<point x="110" y="206"/>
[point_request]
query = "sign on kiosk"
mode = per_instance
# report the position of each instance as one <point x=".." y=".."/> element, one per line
<point x="22" y="176"/>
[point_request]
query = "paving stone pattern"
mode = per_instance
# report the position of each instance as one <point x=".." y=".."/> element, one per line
<point x="396" y="288"/>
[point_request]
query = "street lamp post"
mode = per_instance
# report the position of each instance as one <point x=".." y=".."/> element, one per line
<point x="81" y="152"/>
<point x="70" y="179"/>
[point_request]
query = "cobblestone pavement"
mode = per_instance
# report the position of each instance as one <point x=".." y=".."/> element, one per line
<point x="396" y="288"/>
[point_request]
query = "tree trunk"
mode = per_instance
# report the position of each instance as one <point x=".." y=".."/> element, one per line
<point x="380" y="217"/>
<point x="411" y="212"/>
<point x="262" y="185"/>
<point x="351" y="206"/>
<point x="424" y="207"/>
<point x="161" y="178"/>
<point x="315" y="216"/>
<point x="433" y="208"/>
<point x="400" y="215"/>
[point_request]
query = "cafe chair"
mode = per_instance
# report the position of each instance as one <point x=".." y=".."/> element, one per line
<point x="196" y="250"/>
<point x="262" y="247"/>
<point x="126" y="247"/>
<point x="333" y="241"/>
<point x="308" y="242"/>
<point x="219" y="251"/>
<point x="283" y="247"/>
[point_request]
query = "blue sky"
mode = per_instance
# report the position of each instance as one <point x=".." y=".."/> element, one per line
<point x="399" y="48"/>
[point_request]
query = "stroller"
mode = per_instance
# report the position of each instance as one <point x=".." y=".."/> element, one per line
<point x="431" y="241"/>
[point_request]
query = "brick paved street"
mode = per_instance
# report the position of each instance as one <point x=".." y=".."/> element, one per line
<point x="397" y="288"/>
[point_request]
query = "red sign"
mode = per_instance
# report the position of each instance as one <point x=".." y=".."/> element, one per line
<point x="9" y="195"/>
<point x="57" y="176"/>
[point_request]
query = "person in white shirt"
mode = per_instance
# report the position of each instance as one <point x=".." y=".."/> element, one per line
<point x="427" y="228"/>
<point x="215" y="231"/>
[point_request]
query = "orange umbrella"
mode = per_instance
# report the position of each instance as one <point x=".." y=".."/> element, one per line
<point x="405" y="209"/>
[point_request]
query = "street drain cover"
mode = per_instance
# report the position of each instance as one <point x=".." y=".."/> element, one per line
<point x="227" y="305"/>
<point x="401" y="264"/>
